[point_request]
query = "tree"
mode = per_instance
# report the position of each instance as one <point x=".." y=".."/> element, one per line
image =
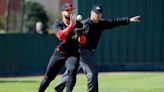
<point x="33" y="13"/>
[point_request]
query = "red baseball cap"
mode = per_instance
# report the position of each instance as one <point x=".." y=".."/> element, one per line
<point x="66" y="6"/>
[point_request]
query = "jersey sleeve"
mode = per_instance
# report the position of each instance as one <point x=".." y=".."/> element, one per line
<point x="112" y="23"/>
<point x="61" y="33"/>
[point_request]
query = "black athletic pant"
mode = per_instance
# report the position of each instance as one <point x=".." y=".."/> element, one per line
<point x="90" y="68"/>
<point x="57" y="61"/>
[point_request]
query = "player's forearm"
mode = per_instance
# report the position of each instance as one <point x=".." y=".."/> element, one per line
<point x="62" y="35"/>
<point x="67" y="30"/>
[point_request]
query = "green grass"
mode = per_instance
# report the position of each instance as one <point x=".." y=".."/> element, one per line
<point x="108" y="82"/>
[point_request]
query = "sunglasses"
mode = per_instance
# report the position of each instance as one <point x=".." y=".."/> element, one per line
<point x="69" y="9"/>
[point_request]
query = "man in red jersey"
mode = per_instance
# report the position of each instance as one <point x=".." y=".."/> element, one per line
<point x="66" y="52"/>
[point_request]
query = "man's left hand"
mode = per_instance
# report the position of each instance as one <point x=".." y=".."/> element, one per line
<point x="135" y="19"/>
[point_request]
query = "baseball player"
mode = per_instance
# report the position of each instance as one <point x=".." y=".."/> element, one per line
<point x="67" y="50"/>
<point x="96" y="25"/>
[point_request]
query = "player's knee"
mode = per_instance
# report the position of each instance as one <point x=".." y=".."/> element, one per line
<point x="47" y="78"/>
<point x="92" y="75"/>
<point x="72" y="70"/>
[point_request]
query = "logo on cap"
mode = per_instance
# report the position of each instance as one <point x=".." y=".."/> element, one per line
<point x="98" y="8"/>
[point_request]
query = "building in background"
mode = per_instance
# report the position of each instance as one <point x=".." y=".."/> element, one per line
<point x="12" y="12"/>
<point x="50" y="5"/>
<point x="3" y="7"/>
<point x="11" y="16"/>
<point x="52" y="8"/>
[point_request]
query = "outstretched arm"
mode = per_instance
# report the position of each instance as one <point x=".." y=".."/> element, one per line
<point x="112" y="23"/>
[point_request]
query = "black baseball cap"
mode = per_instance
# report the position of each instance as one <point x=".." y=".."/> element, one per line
<point x="66" y="6"/>
<point x="97" y="8"/>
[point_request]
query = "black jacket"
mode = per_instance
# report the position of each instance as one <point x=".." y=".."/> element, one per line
<point x="94" y="30"/>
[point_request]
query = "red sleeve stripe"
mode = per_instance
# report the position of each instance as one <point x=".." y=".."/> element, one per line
<point x="61" y="35"/>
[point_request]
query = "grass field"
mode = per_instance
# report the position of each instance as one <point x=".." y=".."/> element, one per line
<point x="108" y="82"/>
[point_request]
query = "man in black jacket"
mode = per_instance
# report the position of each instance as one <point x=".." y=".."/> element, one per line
<point x="94" y="28"/>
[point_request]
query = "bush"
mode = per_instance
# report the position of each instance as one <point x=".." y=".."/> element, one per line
<point x="34" y="12"/>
